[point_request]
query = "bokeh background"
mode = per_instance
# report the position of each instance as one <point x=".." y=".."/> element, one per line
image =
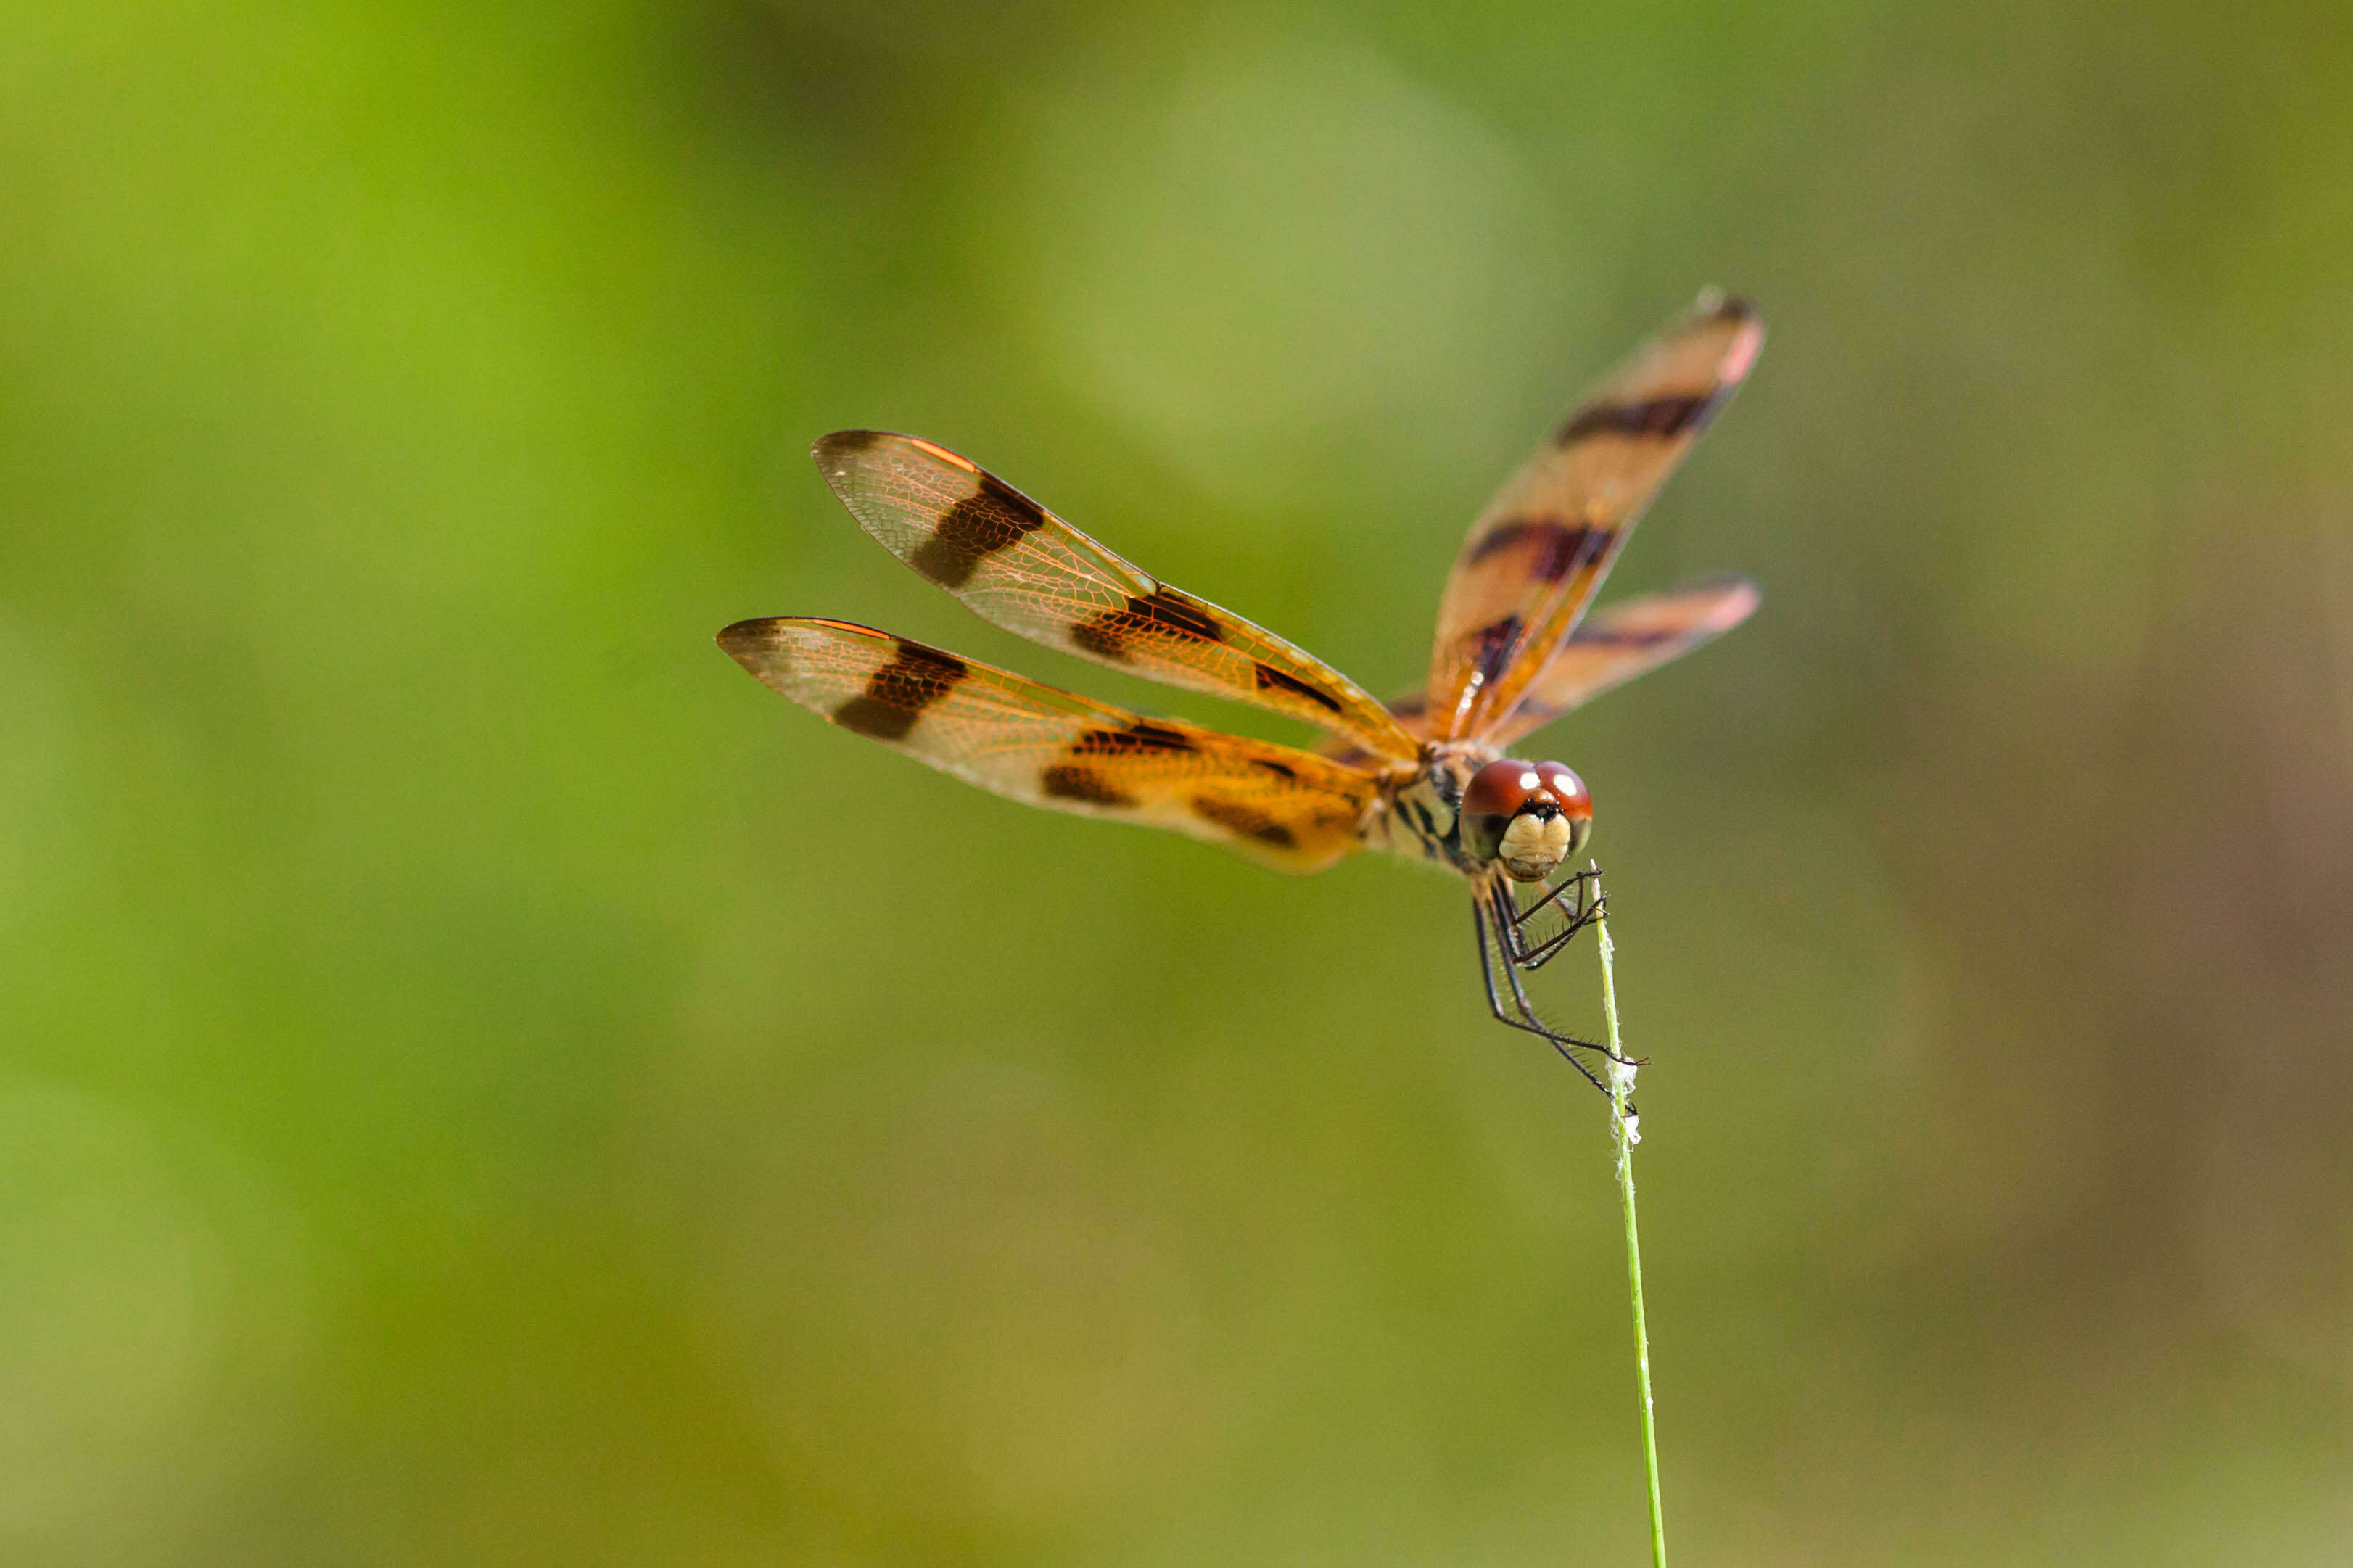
<point x="483" y="1082"/>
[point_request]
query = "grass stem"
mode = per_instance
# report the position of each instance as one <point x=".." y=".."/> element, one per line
<point x="1626" y="1131"/>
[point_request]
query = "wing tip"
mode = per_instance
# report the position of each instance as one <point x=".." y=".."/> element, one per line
<point x="1742" y="595"/>
<point x="1714" y="308"/>
<point x="837" y="455"/>
<point x="1733" y="597"/>
<point x="1746" y="327"/>
<point x="756" y="644"/>
<point x="1715" y="305"/>
<point x="751" y="642"/>
<point x="844" y="443"/>
<point x="743" y="636"/>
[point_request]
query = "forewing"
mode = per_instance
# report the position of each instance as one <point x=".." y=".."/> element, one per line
<point x="1017" y="564"/>
<point x="1609" y="649"/>
<point x="1537" y="552"/>
<point x="1279" y="805"/>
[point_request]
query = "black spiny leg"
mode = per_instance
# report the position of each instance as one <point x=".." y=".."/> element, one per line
<point x="1502" y="910"/>
<point x="1576" y="881"/>
<point x="1543" y="952"/>
<point x="1567" y="1045"/>
<point x="1514" y="930"/>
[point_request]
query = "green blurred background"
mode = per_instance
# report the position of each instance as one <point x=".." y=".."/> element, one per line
<point x="479" y="1087"/>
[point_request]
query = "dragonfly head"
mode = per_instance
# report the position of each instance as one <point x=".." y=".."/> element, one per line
<point x="1527" y="817"/>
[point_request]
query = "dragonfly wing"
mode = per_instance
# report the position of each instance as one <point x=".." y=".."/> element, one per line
<point x="1279" y="805"/>
<point x="1609" y="649"/>
<point x="1015" y="563"/>
<point x="1542" y="545"/>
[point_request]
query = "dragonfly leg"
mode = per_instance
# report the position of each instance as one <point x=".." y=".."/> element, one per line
<point x="1574" y="880"/>
<point x="1526" y="1020"/>
<point x="1511" y="971"/>
<point x="1537" y="957"/>
<point x="1515" y="945"/>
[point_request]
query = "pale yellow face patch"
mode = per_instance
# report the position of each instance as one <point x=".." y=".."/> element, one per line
<point x="1533" y="848"/>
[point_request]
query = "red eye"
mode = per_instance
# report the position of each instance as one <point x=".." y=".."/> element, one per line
<point x="1500" y="788"/>
<point x="1567" y="788"/>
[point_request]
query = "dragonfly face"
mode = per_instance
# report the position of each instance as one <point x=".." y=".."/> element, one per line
<point x="1525" y="817"/>
<point x="1423" y="774"/>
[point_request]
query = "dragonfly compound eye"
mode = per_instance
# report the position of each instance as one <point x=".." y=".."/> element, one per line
<point x="1527" y="816"/>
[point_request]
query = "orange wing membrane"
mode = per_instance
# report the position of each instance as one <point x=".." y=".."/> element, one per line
<point x="1279" y="806"/>
<point x="1540" y="549"/>
<point x="1620" y="641"/>
<point x="1014" y="563"/>
<point x="1609" y="649"/>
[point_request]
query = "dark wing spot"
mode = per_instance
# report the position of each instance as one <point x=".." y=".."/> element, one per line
<point x="1166" y="613"/>
<point x="1271" y="680"/>
<point x="1279" y="770"/>
<point x="1246" y="820"/>
<point x="1661" y="417"/>
<point x="1558" y="548"/>
<point x="1074" y="783"/>
<point x="992" y="518"/>
<point x="1079" y="778"/>
<point x="874" y="719"/>
<point x="1137" y="739"/>
<point x="1167" y="608"/>
<point x="1626" y="637"/>
<point x="1155" y="738"/>
<point x="1491" y="646"/>
<point x="897" y="694"/>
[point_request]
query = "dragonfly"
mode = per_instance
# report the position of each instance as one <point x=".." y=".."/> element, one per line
<point x="1425" y="775"/>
